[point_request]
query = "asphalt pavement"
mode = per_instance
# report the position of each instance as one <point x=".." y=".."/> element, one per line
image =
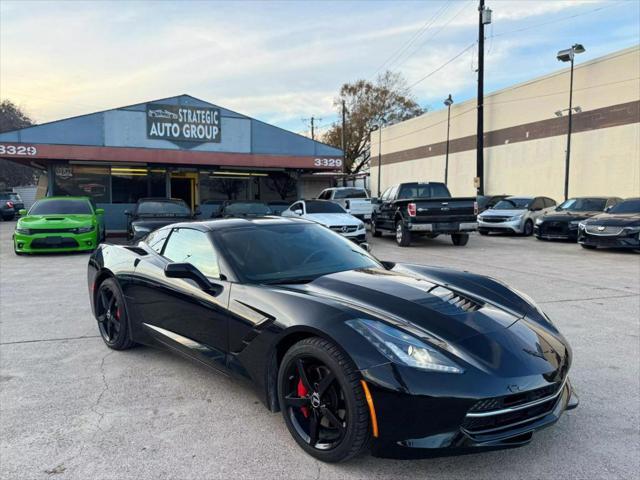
<point x="70" y="408"/>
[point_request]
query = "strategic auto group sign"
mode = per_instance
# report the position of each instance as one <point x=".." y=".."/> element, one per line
<point x="183" y="123"/>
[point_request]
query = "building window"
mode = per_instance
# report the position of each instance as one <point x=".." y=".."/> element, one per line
<point x="78" y="180"/>
<point x="129" y="184"/>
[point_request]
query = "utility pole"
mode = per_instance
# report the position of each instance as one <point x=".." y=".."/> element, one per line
<point x="313" y="136"/>
<point x="448" y="102"/>
<point x="484" y="18"/>
<point x="342" y="139"/>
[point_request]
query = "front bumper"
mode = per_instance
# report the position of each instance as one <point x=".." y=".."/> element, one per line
<point x="556" y="231"/>
<point x="514" y="226"/>
<point x="623" y="240"/>
<point x="439" y="419"/>
<point x="55" y="242"/>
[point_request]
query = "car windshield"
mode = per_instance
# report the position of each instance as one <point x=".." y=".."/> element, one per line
<point x="282" y="253"/>
<point x="247" y="208"/>
<point x="513" y="204"/>
<point x="350" y="193"/>
<point x="320" y="206"/>
<point x="63" y="206"/>
<point x="583" y="204"/>
<point x="628" y="206"/>
<point x="159" y="208"/>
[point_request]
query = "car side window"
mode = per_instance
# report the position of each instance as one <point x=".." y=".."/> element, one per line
<point x="385" y="194"/>
<point x="392" y="193"/>
<point x="296" y="206"/>
<point x="325" y="195"/>
<point x="549" y="202"/>
<point x="537" y="204"/>
<point x="186" y="245"/>
<point x="156" y="239"/>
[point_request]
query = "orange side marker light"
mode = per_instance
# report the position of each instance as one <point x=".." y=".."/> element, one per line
<point x="372" y="410"/>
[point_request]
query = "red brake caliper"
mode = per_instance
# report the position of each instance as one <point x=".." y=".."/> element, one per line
<point x="302" y="392"/>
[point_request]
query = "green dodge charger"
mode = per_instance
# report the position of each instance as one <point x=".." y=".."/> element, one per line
<point x="59" y="224"/>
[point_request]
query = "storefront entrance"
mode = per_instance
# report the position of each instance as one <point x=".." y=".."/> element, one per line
<point x="183" y="186"/>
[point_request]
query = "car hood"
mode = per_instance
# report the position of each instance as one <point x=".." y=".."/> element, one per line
<point x="332" y="219"/>
<point x="55" y="221"/>
<point x="490" y="336"/>
<point x="568" y="215"/>
<point x="616" y="219"/>
<point x="503" y="213"/>
<point x="157" y="222"/>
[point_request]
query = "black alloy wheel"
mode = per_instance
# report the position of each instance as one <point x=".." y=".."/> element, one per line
<point x="374" y="230"/>
<point x="110" y="312"/>
<point x="322" y="401"/>
<point x="528" y="228"/>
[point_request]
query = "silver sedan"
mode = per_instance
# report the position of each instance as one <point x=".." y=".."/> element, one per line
<point x="514" y="215"/>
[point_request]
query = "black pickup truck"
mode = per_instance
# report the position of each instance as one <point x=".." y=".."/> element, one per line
<point x="427" y="209"/>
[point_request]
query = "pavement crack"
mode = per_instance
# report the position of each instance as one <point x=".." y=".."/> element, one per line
<point x="18" y="342"/>
<point x="94" y="407"/>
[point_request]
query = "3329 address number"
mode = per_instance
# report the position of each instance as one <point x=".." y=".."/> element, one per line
<point x="327" y="162"/>
<point x="18" y="150"/>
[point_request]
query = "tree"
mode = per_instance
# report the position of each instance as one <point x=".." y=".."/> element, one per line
<point x="282" y="183"/>
<point x="384" y="102"/>
<point x="11" y="173"/>
<point x="229" y="187"/>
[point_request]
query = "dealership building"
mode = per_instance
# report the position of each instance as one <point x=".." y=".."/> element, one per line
<point x="179" y="147"/>
<point x="525" y="136"/>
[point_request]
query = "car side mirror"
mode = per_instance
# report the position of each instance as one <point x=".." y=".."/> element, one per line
<point x="606" y="209"/>
<point x="127" y="213"/>
<point x="365" y="246"/>
<point x="99" y="211"/>
<point x="197" y="212"/>
<point x="297" y="211"/>
<point x="188" y="271"/>
<point x="22" y="211"/>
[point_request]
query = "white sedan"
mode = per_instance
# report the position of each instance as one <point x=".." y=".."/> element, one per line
<point x="330" y="215"/>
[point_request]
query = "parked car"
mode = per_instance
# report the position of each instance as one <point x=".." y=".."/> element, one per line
<point x="485" y="202"/>
<point x="410" y="209"/>
<point x="242" y="208"/>
<point x="152" y="213"/>
<point x="331" y="215"/>
<point x="354" y="200"/>
<point x="562" y="222"/>
<point x="59" y="224"/>
<point x="358" y="355"/>
<point x="617" y="228"/>
<point x="7" y="207"/>
<point x="278" y="207"/>
<point x="514" y="215"/>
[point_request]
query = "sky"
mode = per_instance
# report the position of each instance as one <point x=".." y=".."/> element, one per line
<point x="283" y="62"/>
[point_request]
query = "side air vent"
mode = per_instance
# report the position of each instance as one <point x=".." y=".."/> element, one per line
<point x="449" y="302"/>
<point x="137" y="250"/>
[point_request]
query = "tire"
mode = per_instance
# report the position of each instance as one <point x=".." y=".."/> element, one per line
<point x="403" y="235"/>
<point x="374" y="230"/>
<point x="460" y="239"/>
<point x="483" y="232"/>
<point x="528" y="228"/>
<point x="319" y="359"/>
<point x="588" y="247"/>
<point x="113" y="323"/>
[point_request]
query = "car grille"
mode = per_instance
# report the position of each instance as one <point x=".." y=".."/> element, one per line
<point x="495" y="219"/>
<point x="344" y="228"/>
<point x="595" y="230"/>
<point x="63" y="243"/>
<point x="554" y="228"/>
<point x="36" y="231"/>
<point x="501" y="413"/>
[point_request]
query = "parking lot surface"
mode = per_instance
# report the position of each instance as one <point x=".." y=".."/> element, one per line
<point x="72" y="408"/>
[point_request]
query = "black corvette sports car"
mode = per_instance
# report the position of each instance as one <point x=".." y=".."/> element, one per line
<point x="617" y="228"/>
<point x="356" y="353"/>
<point x="562" y="223"/>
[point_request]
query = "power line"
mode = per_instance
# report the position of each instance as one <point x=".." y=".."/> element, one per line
<point x="413" y="38"/>
<point x="433" y="72"/>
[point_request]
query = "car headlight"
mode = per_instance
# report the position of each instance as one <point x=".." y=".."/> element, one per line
<point x="539" y="221"/>
<point x="138" y="228"/>
<point x="516" y="217"/>
<point x="574" y="223"/>
<point x="402" y="348"/>
<point x="632" y="229"/>
<point x="481" y="218"/>
<point x="23" y="231"/>
<point x="360" y="225"/>
<point x="581" y="225"/>
<point x="84" y="229"/>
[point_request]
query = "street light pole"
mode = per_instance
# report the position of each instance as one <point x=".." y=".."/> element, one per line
<point x="379" y="157"/>
<point x="448" y="102"/>
<point x="568" y="55"/>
